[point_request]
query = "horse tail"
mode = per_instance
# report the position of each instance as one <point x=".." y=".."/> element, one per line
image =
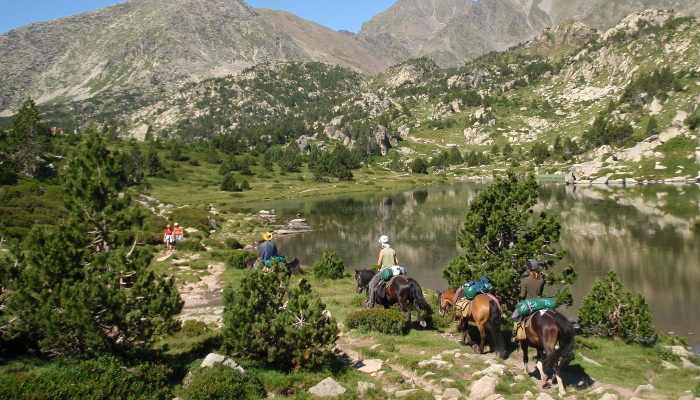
<point x="294" y="267"/>
<point x="566" y="343"/>
<point x="499" y="346"/>
<point x="417" y="293"/>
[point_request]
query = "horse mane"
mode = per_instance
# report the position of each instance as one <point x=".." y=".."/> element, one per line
<point x="365" y="275"/>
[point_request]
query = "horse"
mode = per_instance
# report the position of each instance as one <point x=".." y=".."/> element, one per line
<point x="400" y="289"/>
<point x="484" y="308"/>
<point x="545" y="329"/>
<point x="293" y="266"/>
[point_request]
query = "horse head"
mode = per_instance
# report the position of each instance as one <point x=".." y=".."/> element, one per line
<point x="445" y="301"/>
<point x="360" y="284"/>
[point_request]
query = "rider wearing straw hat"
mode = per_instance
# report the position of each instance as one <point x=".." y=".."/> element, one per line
<point x="387" y="259"/>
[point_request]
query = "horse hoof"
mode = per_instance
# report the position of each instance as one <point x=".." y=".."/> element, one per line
<point x="423" y="324"/>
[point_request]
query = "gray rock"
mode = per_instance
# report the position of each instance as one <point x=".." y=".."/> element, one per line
<point x="211" y="359"/>
<point x="435" y="363"/>
<point x="498" y="369"/>
<point x="451" y="393"/>
<point x="401" y="393"/>
<point x="363" y="386"/>
<point x="484" y="387"/>
<point x="667" y="365"/>
<point x="643" y="388"/>
<point x="678" y="351"/>
<point x="327" y="387"/>
<point x="369" y="366"/>
<point x="687" y="364"/>
<point x="609" y="396"/>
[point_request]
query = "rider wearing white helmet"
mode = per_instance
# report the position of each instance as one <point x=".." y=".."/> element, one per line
<point x="387" y="259"/>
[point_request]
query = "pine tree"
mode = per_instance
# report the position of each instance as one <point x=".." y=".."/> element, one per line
<point x="76" y="291"/>
<point x="258" y="325"/>
<point x="501" y="232"/>
<point x="28" y="137"/>
<point x="609" y="311"/>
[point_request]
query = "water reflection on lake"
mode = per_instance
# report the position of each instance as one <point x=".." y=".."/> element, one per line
<point x="647" y="233"/>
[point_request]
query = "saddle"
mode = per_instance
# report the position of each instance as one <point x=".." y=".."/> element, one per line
<point x="524" y="324"/>
<point x="380" y="289"/>
<point x="463" y="308"/>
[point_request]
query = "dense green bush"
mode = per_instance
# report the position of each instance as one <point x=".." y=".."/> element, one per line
<point x="330" y="266"/>
<point x="237" y="258"/>
<point x="609" y="311"/>
<point x="222" y="382"/>
<point x="389" y="321"/>
<point x="192" y="217"/>
<point x="192" y="328"/>
<point x="190" y="245"/>
<point x="106" y="378"/>
<point x="233" y="244"/>
<point x="281" y="326"/>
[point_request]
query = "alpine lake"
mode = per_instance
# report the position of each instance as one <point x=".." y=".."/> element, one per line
<point x="648" y="234"/>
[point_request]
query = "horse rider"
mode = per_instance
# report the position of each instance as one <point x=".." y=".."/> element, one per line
<point x="531" y="286"/>
<point x="387" y="259"/>
<point x="268" y="249"/>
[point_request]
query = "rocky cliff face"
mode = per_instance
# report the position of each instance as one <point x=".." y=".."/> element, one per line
<point x="142" y="48"/>
<point x="453" y="32"/>
<point x="154" y="45"/>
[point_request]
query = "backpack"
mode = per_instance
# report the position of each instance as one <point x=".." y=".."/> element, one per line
<point x="388" y="273"/>
<point x="472" y="289"/>
<point x="527" y="307"/>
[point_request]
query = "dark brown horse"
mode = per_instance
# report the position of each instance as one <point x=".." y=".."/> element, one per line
<point x="544" y="330"/>
<point x="484" y="308"/>
<point x="400" y="289"/>
<point x="293" y="266"/>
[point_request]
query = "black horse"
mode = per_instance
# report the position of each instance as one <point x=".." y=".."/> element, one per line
<point x="400" y="289"/>
<point x="293" y="267"/>
<point x="546" y="328"/>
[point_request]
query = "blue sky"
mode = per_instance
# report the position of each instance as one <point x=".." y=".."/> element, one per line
<point x="337" y="15"/>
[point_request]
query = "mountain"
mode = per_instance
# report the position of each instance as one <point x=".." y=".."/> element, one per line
<point x="137" y="51"/>
<point x="453" y="32"/>
<point x="142" y="46"/>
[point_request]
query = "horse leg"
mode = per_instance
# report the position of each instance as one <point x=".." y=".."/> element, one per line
<point x="466" y="338"/>
<point x="548" y="349"/>
<point x="404" y="307"/>
<point x="421" y="321"/>
<point x="482" y="332"/>
<point x="523" y="346"/>
<point x="557" y="378"/>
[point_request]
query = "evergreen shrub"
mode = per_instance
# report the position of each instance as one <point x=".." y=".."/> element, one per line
<point x="105" y="377"/>
<point x="233" y="244"/>
<point x="190" y="245"/>
<point x="330" y="266"/>
<point x="192" y="328"/>
<point x="222" y="382"/>
<point x="609" y="311"/>
<point x="271" y="322"/>
<point x="389" y="321"/>
<point x="237" y="258"/>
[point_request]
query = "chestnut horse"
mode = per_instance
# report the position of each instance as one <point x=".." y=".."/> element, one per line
<point x="545" y="329"/>
<point x="400" y="289"/>
<point x="484" y="308"/>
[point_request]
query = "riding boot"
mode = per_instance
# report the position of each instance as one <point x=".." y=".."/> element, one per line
<point x="370" y="301"/>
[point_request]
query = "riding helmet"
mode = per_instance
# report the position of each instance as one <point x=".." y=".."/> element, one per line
<point x="532" y="265"/>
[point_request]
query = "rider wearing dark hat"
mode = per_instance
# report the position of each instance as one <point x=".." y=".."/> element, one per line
<point x="531" y="286"/>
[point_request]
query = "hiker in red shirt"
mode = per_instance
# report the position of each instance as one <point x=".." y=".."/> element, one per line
<point x="168" y="238"/>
